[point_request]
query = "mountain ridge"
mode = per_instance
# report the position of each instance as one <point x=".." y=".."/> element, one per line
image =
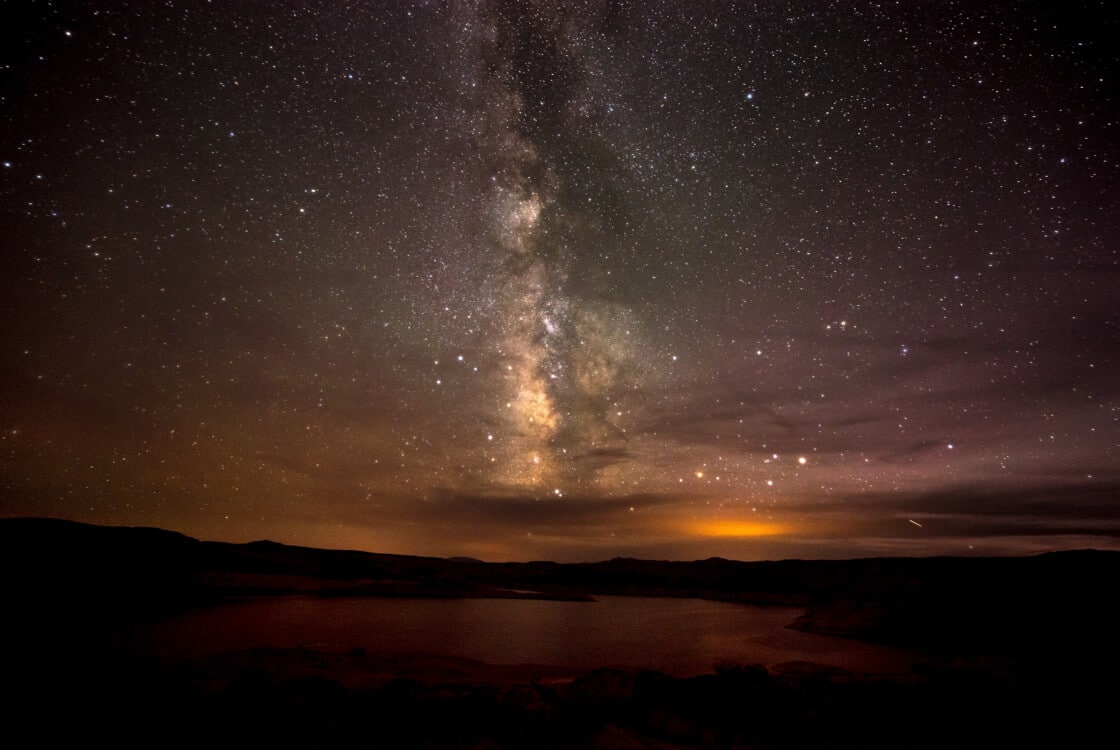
<point x="57" y="566"/>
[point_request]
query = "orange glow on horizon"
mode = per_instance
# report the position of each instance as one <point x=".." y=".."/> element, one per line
<point x="734" y="527"/>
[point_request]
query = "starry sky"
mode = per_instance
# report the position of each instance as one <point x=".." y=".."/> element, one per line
<point x="542" y="280"/>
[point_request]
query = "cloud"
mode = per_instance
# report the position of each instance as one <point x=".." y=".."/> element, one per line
<point x="601" y="458"/>
<point x="519" y="510"/>
<point x="1038" y="509"/>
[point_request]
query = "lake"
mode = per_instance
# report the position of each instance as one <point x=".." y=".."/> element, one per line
<point x="681" y="637"/>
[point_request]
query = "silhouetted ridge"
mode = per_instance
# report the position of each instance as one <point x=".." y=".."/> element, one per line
<point x="942" y="601"/>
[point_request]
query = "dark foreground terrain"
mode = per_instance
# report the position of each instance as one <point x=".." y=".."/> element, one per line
<point x="1020" y="653"/>
<point x="306" y="698"/>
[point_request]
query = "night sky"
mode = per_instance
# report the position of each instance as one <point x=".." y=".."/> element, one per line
<point x="541" y="280"/>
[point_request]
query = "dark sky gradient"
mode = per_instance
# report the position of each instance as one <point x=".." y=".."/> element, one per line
<point x="525" y="280"/>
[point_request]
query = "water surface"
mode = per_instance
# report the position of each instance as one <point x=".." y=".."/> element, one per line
<point x="677" y="636"/>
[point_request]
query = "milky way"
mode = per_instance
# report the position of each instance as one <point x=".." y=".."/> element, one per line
<point x="565" y="280"/>
<point x="564" y="364"/>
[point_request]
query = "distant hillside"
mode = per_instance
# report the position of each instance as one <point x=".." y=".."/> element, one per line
<point x="52" y="565"/>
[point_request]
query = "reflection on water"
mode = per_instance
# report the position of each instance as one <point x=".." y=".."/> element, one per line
<point x="677" y="636"/>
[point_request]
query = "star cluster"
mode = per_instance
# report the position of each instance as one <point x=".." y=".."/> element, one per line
<point x="567" y="280"/>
